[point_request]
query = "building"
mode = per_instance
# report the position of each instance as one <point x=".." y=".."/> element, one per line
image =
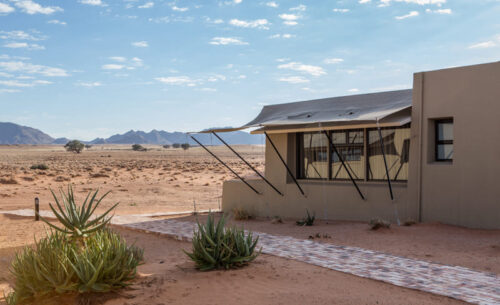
<point x="439" y="143"/>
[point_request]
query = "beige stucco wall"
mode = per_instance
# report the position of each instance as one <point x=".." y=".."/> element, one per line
<point x="465" y="192"/>
<point x="328" y="200"/>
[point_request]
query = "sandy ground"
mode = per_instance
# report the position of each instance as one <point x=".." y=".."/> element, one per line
<point x="158" y="180"/>
<point x="476" y="249"/>
<point x="168" y="277"/>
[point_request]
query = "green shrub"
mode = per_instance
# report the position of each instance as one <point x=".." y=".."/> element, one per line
<point x="74" y="146"/>
<point x="40" y="166"/>
<point x="216" y="247"/>
<point x="377" y="223"/>
<point x="80" y="256"/>
<point x="176" y="145"/>
<point x="138" y="147"/>
<point x="185" y="146"/>
<point x="241" y="214"/>
<point x="55" y="265"/>
<point x="308" y="221"/>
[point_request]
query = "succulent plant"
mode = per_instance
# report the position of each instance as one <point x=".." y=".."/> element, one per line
<point x="77" y="220"/>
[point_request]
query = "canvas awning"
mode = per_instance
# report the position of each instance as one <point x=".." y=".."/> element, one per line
<point x="391" y="108"/>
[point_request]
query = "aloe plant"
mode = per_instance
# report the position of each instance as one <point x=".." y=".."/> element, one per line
<point x="77" y="220"/>
<point x="217" y="247"/>
<point x="308" y="221"/>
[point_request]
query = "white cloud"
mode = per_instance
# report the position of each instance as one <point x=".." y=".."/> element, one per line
<point x="19" y="35"/>
<point x="9" y="90"/>
<point x="42" y="82"/>
<point x="259" y="23"/>
<point x="216" y="21"/>
<point x="309" y="69"/>
<point x="137" y="61"/>
<point x="242" y="76"/>
<point x="483" y="45"/>
<point x="284" y="36"/>
<point x="93" y="2"/>
<point x="384" y="3"/>
<point x="208" y="89"/>
<point x="88" y="84"/>
<point x="294" y="79"/>
<point x="147" y="5"/>
<point x="409" y="15"/>
<point x="353" y="90"/>
<point x="24" y="45"/>
<point x="272" y="4"/>
<point x="340" y="10"/>
<point x="364" y="1"/>
<point x="177" y="80"/>
<point x="227" y="41"/>
<point x="331" y="61"/>
<point x="445" y="11"/>
<point x="299" y="8"/>
<point x="140" y="44"/>
<point x="14" y="83"/>
<point x="23" y="67"/>
<point x="54" y="21"/>
<point x="290" y="19"/>
<point x="180" y="9"/>
<point x="31" y="8"/>
<point x="113" y="67"/>
<point x="5" y="8"/>
<point x="118" y="58"/>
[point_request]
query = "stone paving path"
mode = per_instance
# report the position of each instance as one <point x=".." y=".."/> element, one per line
<point x="453" y="281"/>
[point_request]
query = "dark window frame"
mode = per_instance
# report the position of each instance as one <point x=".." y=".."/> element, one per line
<point x="438" y="142"/>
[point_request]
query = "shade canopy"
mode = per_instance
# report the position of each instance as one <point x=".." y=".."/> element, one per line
<point x="391" y="108"/>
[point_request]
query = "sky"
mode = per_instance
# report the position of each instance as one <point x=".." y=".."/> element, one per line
<point x="93" y="68"/>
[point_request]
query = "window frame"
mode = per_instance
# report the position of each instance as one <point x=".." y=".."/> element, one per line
<point x="438" y="142"/>
<point x="365" y="154"/>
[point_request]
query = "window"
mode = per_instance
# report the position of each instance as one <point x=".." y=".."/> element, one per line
<point x="444" y="140"/>
<point x="349" y="144"/>
<point x="397" y="153"/>
<point x="361" y="151"/>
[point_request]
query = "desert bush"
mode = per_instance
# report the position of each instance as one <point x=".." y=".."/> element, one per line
<point x="307" y="221"/>
<point x="81" y="255"/>
<point x="409" y="222"/>
<point x="216" y="247"/>
<point x="10" y="180"/>
<point x="88" y="146"/>
<point x="138" y="147"/>
<point x="377" y="223"/>
<point x="241" y="214"/>
<point x="40" y="166"/>
<point x="166" y="146"/>
<point x="185" y="146"/>
<point x="176" y="145"/>
<point x="74" y="146"/>
<point x="56" y="265"/>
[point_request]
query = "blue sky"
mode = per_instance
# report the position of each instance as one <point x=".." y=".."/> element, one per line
<point x="93" y="68"/>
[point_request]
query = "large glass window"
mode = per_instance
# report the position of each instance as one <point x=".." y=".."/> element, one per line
<point x="349" y="144"/>
<point x="318" y="160"/>
<point x="444" y="140"/>
<point x="396" y="143"/>
<point x="313" y="155"/>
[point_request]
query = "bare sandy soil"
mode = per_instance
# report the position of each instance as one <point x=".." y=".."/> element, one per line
<point x="168" y="277"/>
<point x="158" y="180"/>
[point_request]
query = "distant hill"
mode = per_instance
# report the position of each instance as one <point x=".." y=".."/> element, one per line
<point x="11" y="133"/>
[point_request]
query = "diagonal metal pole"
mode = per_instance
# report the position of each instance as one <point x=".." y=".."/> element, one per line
<point x="248" y="164"/>
<point x="284" y="163"/>
<point x="385" y="161"/>
<point x="227" y="166"/>
<point x="343" y="164"/>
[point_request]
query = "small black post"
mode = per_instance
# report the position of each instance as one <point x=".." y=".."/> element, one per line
<point x="248" y="164"/>
<point x="37" y="209"/>
<point x="284" y="163"/>
<point x="385" y="161"/>
<point x="227" y="166"/>
<point x="343" y="164"/>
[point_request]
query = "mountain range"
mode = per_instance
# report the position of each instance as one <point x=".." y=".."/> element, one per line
<point x="11" y="133"/>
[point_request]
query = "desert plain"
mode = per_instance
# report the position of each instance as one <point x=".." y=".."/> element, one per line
<point x="162" y="180"/>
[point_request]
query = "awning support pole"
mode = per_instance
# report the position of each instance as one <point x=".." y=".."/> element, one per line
<point x="343" y="164"/>
<point x="385" y="161"/>
<point x="284" y="163"/>
<point x="248" y="164"/>
<point x="227" y="166"/>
